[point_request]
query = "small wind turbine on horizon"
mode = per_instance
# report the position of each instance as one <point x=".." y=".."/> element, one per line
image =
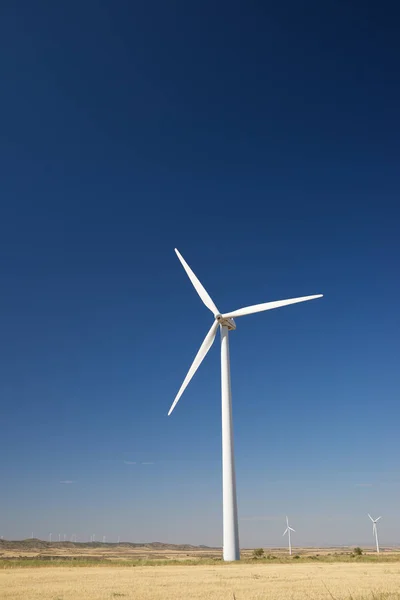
<point x="287" y="531"/>
<point x="50" y="537"/>
<point x="226" y="323"/>
<point x="375" y="530"/>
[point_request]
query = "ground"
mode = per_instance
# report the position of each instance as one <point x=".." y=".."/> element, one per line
<point x="308" y="581"/>
<point x="37" y="570"/>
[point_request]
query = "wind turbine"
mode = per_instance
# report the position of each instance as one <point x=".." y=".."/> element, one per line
<point x="226" y="323"/>
<point x="375" y="530"/>
<point x="287" y="531"/>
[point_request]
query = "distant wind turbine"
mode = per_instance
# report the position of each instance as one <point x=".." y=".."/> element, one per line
<point x="59" y="537"/>
<point x="226" y="323"/>
<point x="375" y="530"/>
<point x="104" y="539"/>
<point x="287" y="531"/>
<point x="50" y="537"/>
<point x="118" y="539"/>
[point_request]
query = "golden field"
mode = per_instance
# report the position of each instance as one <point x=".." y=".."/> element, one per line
<point x="263" y="581"/>
<point x="38" y="570"/>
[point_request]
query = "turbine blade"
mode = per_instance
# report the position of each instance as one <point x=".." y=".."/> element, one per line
<point x="287" y="521"/>
<point x="249" y="310"/>
<point x="197" y="285"/>
<point x="378" y="519"/>
<point x="370" y="517"/>
<point x="291" y="529"/>
<point x="285" y="532"/>
<point x="204" y="348"/>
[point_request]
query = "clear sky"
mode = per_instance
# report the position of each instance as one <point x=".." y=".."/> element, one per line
<point x="262" y="140"/>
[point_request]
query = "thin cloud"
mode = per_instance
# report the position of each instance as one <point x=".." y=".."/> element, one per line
<point x="262" y="518"/>
<point x="364" y="485"/>
<point x="67" y="481"/>
<point x="133" y="462"/>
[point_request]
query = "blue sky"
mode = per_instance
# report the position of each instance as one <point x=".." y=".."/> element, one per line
<point x="263" y="142"/>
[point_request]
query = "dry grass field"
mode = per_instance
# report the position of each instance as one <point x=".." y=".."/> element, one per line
<point x="308" y="581"/>
<point x="37" y="570"/>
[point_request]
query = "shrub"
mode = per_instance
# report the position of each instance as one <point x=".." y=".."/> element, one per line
<point x="258" y="553"/>
<point x="357" y="551"/>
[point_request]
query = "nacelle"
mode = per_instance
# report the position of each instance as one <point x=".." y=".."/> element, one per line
<point x="229" y="323"/>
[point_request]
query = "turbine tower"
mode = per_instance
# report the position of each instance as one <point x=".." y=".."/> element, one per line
<point x="226" y="323"/>
<point x="287" y="531"/>
<point x="375" y="530"/>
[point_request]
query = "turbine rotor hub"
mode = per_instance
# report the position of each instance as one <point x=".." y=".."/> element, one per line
<point x="229" y="323"/>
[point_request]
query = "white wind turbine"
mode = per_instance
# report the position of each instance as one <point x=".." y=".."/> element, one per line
<point x="287" y="531"/>
<point x="375" y="530"/>
<point x="226" y="324"/>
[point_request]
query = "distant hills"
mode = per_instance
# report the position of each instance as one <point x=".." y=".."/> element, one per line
<point x="36" y="544"/>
